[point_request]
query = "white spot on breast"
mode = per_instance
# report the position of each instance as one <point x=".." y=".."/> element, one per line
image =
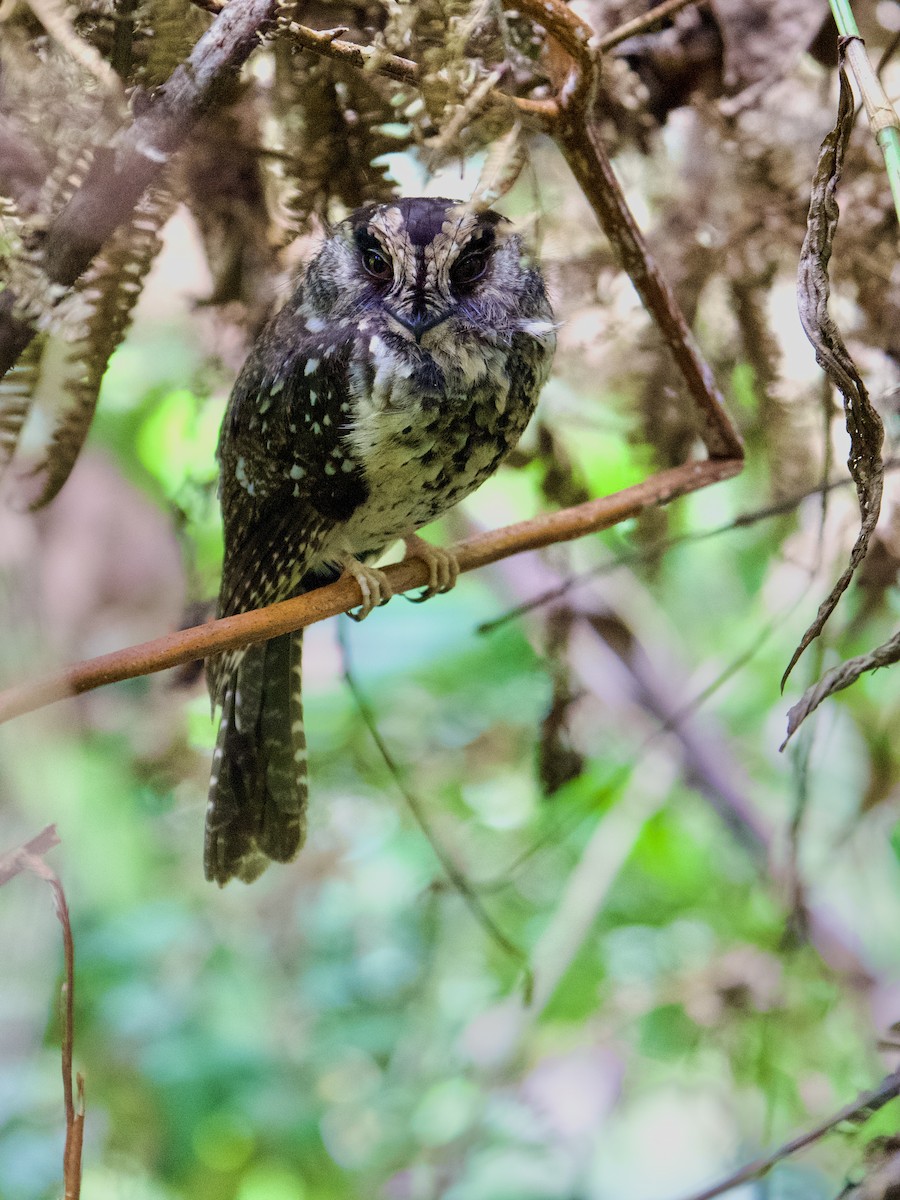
<point x="277" y="386"/>
<point x="312" y="365"/>
<point x="297" y="472"/>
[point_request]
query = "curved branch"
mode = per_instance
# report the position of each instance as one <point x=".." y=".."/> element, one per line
<point x="187" y="645"/>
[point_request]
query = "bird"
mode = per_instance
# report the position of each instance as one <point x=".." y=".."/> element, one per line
<point x="393" y="382"/>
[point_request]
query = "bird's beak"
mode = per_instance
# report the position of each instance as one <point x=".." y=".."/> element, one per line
<point x="418" y="323"/>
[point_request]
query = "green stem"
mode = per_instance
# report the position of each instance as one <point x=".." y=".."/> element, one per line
<point x="881" y="113"/>
<point x="844" y="18"/>
<point x="889" y="141"/>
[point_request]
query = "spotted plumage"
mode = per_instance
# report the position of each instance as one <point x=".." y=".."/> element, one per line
<point x="401" y="372"/>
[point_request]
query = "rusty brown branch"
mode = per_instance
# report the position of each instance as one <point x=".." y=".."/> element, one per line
<point x="199" y="642"/>
<point x="74" y="1111"/>
<point x="74" y="1144"/>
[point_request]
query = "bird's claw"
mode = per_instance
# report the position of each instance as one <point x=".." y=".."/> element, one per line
<point x="443" y="567"/>
<point x="376" y="591"/>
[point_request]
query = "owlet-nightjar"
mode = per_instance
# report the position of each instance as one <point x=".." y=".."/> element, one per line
<point x="395" y="380"/>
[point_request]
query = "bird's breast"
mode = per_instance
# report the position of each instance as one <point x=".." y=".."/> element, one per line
<point x="427" y="430"/>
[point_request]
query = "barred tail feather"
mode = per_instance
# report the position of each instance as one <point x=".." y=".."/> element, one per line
<point x="282" y="742"/>
<point x="258" y="786"/>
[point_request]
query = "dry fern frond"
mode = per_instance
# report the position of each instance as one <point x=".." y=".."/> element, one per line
<point x="35" y="296"/>
<point x="55" y="18"/>
<point x="223" y="181"/>
<point x="16" y="394"/>
<point x="465" y="51"/>
<point x="74" y="155"/>
<point x="110" y="291"/>
<point x="174" y="27"/>
<point x="332" y="122"/>
<point x="10" y="228"/>
<point x="503" y="165"/>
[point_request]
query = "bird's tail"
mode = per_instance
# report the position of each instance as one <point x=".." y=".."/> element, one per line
<point x="258" y="786"/>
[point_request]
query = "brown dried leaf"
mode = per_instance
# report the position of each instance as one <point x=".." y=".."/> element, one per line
<point x="558" y="759"/>
<point x="838" y="678"/>
<point x="863" y="423"/>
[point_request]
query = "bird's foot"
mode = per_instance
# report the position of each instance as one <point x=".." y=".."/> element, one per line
<point x="443" y="567"/>
<point x="372" y="583"/>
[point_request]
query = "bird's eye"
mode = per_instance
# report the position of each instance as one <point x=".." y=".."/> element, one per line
<point x="377" y="265"/>
<point x="468" y="268"/>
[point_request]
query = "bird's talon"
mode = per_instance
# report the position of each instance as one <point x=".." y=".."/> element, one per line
<point x="443" y="567"/>
<point x="373" y="584"/>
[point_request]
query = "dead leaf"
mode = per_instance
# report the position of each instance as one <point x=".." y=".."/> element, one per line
<point x="813" y="288"/>
<point x="838" y="678"/>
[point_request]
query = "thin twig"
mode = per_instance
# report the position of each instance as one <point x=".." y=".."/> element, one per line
<point x="586" y="889"/>
<point x="417" y="808"/>
<point x="404" y="70"/>
<point x="663" y="545"/>
<point x="861" y="1108"/>
<point x="887" y="54"/>
<point x="364" y="58"/>
<point x="29" y="857"/>
<point x="640" y="24"/>
<point x="201" y="641"/>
